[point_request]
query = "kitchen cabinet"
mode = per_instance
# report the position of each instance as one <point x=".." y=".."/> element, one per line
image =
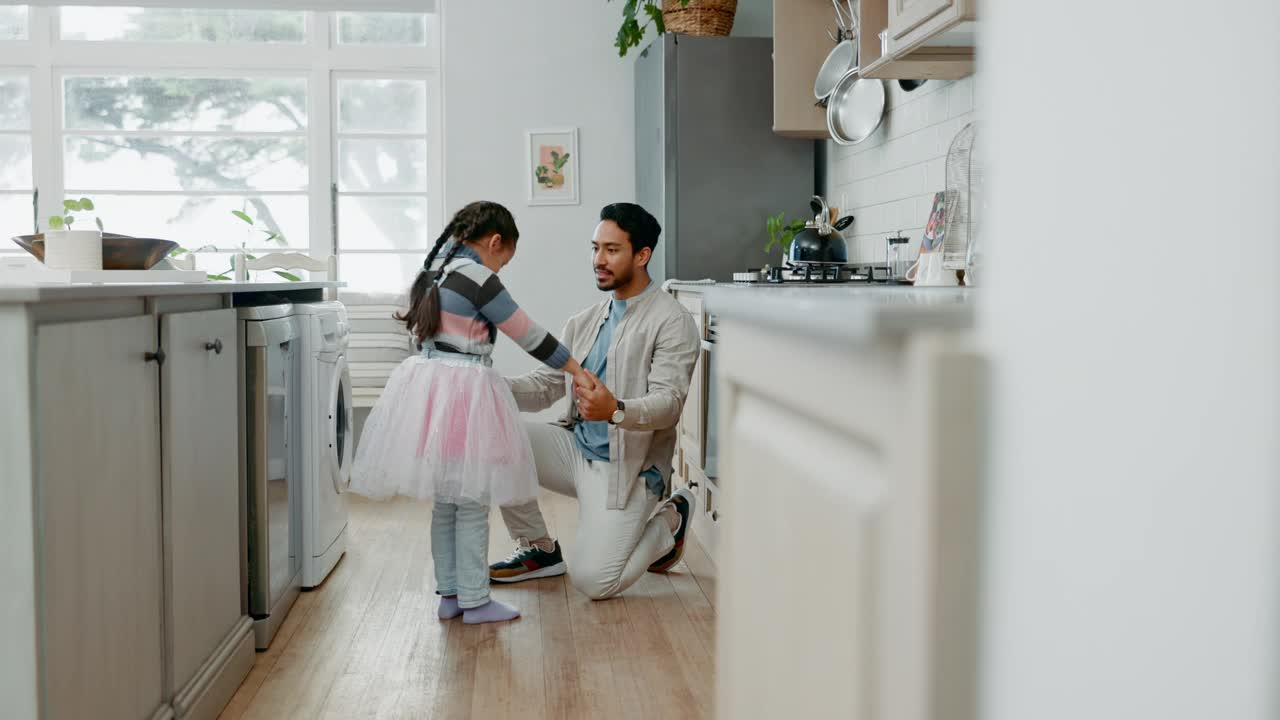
<point x="695" y="431"/>
<point x="98" y="409"/>
<point x="925" y="39"/>
<point x="800" y="45"/>
<point x="120" y="499"/>
<point x="855" y="497"/>
<point x="209" y="641"/>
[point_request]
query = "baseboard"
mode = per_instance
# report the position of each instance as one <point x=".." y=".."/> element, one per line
<point x="217" y="681"/>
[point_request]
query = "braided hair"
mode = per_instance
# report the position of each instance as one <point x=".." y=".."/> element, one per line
<point x="478" y="220"/>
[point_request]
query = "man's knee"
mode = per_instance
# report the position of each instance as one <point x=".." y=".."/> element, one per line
<point x="596" y="582"/>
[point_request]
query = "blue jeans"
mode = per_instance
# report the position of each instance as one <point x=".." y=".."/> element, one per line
<point x="460" y="549"/>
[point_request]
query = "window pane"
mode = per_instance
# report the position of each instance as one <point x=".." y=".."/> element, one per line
<point x="182" y="25"/>
<point x="185" y="103"/>
<point x="382" y="29"/>
<point x="176" y="163"/>
<point x="382" y="223"/>
<point x="17" y="217"/>
<point x="385" y="165"/>
<point x="382" y="106"/>
<point x="15" y="162"/>
<point x="379" y="273"/>
<point x="196" y="221"/>
<point x="15" y="102"/>
<point x="13" y="22"/>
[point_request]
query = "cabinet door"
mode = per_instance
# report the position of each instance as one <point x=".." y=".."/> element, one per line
<point x="693" y="414"/>
<point x="201" y="486"/>
<point x="907" y="15"/>
<point x="804" y="525"/>
<point x="99" y="470"/>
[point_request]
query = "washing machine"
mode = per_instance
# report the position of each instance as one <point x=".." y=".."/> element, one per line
<point x="327" y="440"/>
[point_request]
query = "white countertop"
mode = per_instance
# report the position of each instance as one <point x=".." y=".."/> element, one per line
<point x="24" y="294"/>
<point x="846" y="312"/>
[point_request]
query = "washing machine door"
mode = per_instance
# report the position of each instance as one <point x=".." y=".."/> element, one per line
<point x="338" y="430"/>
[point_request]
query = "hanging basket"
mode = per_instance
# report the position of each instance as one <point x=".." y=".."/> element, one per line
<point x="700" y="17"/>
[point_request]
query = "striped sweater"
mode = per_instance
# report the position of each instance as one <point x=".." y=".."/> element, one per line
<point x="474" y="306"/>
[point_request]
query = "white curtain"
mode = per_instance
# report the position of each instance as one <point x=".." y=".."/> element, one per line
<point x="351" y="5"/>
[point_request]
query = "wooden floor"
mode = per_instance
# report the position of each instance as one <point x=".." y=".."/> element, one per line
<point x="367" y="643"/>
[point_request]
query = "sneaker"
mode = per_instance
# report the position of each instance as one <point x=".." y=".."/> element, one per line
<point x="528" y="562"/>
<point x="684" y="503"/>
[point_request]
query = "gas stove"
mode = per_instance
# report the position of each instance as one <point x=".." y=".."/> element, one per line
<point x="815" y="274"/>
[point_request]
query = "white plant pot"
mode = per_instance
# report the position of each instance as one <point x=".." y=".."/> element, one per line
<point x="73" y="250"/>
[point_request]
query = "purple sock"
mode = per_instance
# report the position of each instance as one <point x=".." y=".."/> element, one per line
<point x="492" y="611"/>
<point x="449" y="608"/>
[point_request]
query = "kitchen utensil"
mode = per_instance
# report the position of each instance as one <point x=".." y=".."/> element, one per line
<point x="119" y="252"/>
<point x="896" y="256"/>
<point x="842" y="57"/>
<point x="855" y="108"/>
<point x="929" y="271"/>
<point x="963" y="190"/>
<point x="909" y="85"/>
<point x="843" y="222"/>
<point x="819" y="243"/>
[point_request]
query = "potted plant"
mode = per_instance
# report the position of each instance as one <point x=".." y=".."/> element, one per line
<point x="272" y="237"/>
<point x="781" y="233"/>
<point x="68" y="249"/>
<point x="691" y="17"/>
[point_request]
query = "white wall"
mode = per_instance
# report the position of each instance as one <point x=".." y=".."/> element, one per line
<point x="754" y="19"/>
<point x="1133" y="315"/>
<point x="887" y="182"/>
<point x="513" y="65"/>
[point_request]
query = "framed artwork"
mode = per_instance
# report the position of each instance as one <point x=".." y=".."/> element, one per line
<point x="552" y="168"/>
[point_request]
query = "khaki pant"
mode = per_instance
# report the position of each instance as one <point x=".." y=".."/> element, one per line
<point x="614" y="547"/>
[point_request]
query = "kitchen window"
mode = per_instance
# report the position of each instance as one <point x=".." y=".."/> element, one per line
<point x="319" y="126"/>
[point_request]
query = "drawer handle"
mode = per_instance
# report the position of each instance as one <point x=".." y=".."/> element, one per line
<point x="215" y="346"/>
<point x="156" y="357"/>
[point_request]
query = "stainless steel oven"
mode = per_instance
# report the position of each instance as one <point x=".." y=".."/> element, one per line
<point x="711" y="392"/>
<point x="272" y="465"/>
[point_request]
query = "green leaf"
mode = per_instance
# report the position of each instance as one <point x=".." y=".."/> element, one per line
<point x="71" y="205"/>
<point x="86" y="204"/>
<point x="655" y="14"/>
<point x="98" y="222"/>
<point x="56" y="222"/>
<point x="179" y="252"/>
<point x="288" y="276"/>
<point x="629" y="9"/>
<point x="242" y="216"/>
<point x="68" y="220"/>
<point x="222" y="276"/>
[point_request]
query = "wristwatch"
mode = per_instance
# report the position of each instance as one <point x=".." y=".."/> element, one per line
<point x="619" y="415"/>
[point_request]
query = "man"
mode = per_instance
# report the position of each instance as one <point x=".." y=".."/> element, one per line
<point x="612" y="450"/>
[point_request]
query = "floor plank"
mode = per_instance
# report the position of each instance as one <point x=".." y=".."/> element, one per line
<point x="367" y="643"/>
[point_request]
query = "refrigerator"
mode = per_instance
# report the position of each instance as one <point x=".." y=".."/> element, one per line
<point x="708" y="165"/>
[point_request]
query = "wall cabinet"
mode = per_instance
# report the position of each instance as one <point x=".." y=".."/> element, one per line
<point x="800" y="45"/>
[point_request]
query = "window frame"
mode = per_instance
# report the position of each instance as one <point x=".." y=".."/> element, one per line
<point x="47" y="60"/>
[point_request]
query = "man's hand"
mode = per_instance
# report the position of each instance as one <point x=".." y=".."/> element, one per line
<point x="595" y="402"/>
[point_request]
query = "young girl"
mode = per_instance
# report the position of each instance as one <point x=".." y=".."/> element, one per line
<point x="446" y="427"/>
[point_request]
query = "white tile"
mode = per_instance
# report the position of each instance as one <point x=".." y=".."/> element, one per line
<point x="936" y="108"/>
<point x="937" y="175"/>
<point x="961" y="96"/>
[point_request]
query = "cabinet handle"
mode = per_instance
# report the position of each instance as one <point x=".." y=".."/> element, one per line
<point x="693" y="484"/>
<point x="215" y="346"/>
<point x="157" y="357"/>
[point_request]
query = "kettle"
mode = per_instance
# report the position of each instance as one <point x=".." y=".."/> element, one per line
<point x="820" y="242"/>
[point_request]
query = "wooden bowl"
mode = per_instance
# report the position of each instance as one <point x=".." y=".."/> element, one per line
<point x="119" y="252"/>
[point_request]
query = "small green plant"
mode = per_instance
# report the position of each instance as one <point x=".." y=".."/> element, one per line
<point x="70" y="208"/>
<point x="272" y="236"/>
<point x="553" y="177"/>
<point x="781" y="234"/>
<point x="631" y="33"/>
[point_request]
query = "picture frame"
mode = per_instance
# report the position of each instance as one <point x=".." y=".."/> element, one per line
<point x="551" y="166"/>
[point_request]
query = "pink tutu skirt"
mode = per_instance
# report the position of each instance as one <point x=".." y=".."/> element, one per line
<point x="447" y="430"/>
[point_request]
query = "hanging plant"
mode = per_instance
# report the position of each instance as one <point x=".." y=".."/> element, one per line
<point x="632" y="32"/>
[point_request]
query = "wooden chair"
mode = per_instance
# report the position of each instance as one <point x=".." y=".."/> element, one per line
<point x="288" y="261"/>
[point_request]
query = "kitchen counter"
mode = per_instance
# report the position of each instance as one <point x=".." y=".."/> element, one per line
<point x="24" y="294"/>
<point x="850" y="313"/>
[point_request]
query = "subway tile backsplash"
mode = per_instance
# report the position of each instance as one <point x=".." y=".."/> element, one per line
<point x="887" y="182"/>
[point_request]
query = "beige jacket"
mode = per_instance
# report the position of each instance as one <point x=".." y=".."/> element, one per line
<point x="650" y="365"/>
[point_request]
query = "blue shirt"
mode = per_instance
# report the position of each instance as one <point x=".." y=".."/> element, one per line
<point x="593" y="436"/>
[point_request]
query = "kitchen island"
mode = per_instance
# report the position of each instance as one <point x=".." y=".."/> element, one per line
<point x="833" y="439"/>
<point x="121" y="498"/>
